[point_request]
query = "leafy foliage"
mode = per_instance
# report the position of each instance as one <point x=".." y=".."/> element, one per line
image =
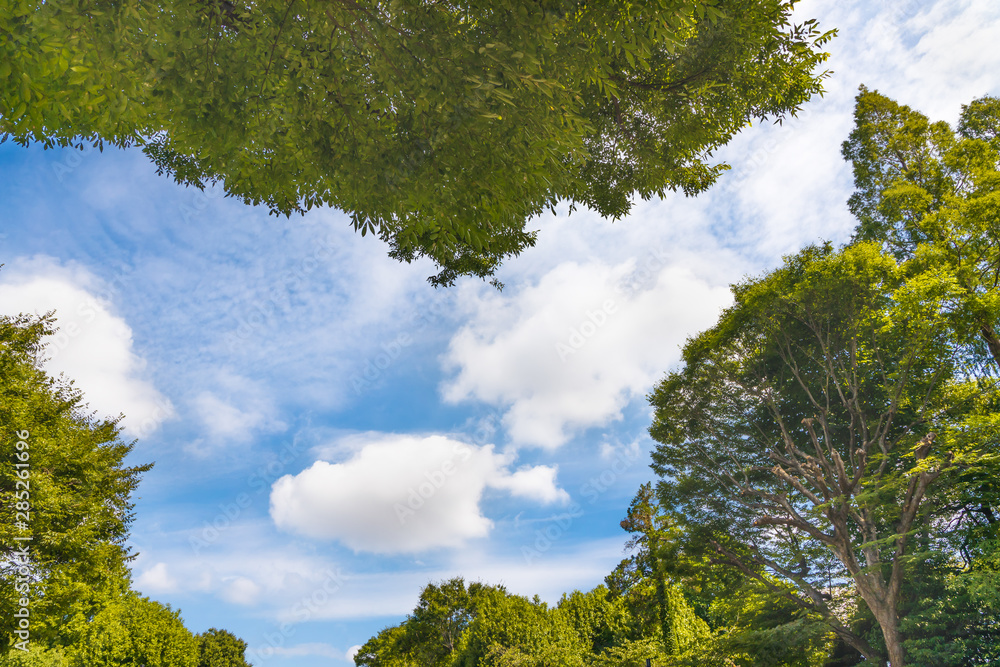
<point x="441" y="127"/>
<point x="834" y="436"/>
<point x="484" y="625"/>
<point x="746" y="622"/>
<point x="35" y="657"/>
<point x="931" y="195"/>
<point x="812" y="424"/>
<point x="221" y="648"/>
<point x="137" y="631"/>
<point x="78" y="489"/>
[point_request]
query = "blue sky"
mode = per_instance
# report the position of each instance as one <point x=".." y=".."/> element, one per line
<point x="330" y="433"/>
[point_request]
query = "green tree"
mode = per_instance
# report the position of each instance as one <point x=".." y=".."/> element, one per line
<point x="221" y="648"/>
<point x="513" y="631"/>
<point x="601" y="619"/>
<point x="441" y="127"/>
<point x="479" y="625"/>
<point x="653" y="595"/>
<point x="385" y="650"/>
<point x="931" y="194"/>
<point x="137" y="631"/>
<point x="812" y="431"/>
<point x="436" y="626"/>
<point x="63" y="471"/>
<point x="35" y="656"/>
<point x="435" y="631"/>
<point x="730" y="619"/>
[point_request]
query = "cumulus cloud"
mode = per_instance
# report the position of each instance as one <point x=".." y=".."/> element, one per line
<point x="404" y="493"/>
<point x="93" y="346"/>
<point x="571" y="350"/>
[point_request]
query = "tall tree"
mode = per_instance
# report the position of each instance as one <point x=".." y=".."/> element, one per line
<point x="65" y="494"/>
<point x="441" y="127"/>
<point x="931" y="194"/>
<point x="441" y="616"/>
<point x="813" y="430"/>
<point x="645" y="580"/>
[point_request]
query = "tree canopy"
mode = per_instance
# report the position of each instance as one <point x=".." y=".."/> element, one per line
<point x="815" y="432"/>
<point x="137" y="631"/>
<point x="931" y="194"/>
<point x="221" y="648"/>
<point x="441" y="127"/>
<point x="480" y="625"/>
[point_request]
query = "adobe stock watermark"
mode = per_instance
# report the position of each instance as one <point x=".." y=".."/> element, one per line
<point x="592" y="490"/>
<point x="375" y="366"/>
<point x="559" y="525"/>
<point x="71" y="160"/>
<point x="580" y="334"/>
<point x="163" y="411"/>
<point x="897" y="10"/>
<point x="753" y="162"/>
<point x="645" y="274"/>
<point x="302" y="611"/>
<point x="21" y="556"/>
<point x="199" y="201"/>
<point x="260" y="480"/>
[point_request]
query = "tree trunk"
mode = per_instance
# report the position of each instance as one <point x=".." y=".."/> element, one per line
<point x="889" y="622"/>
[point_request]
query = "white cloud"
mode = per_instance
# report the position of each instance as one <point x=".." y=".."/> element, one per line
<point x="235" y="410"/>
<point x="156" y="580"/>
<point x="295" y="587"/>
<point x="224" y="420"/>
<point x="93" y="346"/>
<point x="247" y="570"/>
<point x="404" y="493"/>
<point x="353" y="651"/>
<point x="537" y="483"/>
<point x="570" y="351"/>
<point x="241" y="591"/>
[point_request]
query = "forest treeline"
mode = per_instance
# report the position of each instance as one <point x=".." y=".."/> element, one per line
<point x="827" y="454"/>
